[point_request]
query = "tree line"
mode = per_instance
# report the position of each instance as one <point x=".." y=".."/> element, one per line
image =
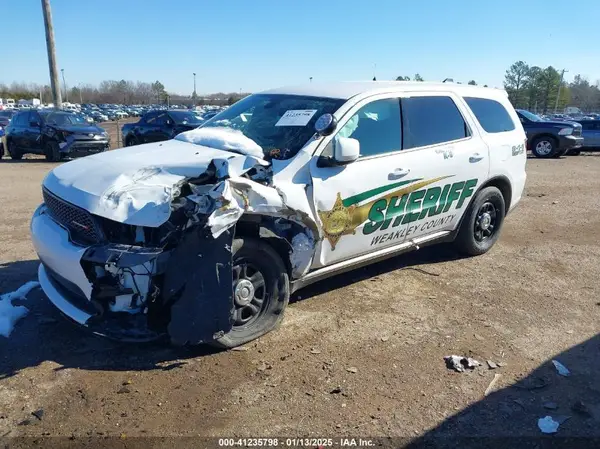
<point x="111" y="91"/>
<point x="537" y="89"/>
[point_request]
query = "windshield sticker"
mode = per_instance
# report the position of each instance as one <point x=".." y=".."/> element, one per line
<point x="296" y="117"/>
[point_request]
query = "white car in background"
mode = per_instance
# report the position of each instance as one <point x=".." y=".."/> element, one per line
<point x="204" y="237"/>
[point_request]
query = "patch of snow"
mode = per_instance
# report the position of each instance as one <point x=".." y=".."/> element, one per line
<point x="222" y="139"/>
<point x="10" y="314"/>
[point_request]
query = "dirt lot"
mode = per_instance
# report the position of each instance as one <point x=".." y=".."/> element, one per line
<point x="358" y="355"/>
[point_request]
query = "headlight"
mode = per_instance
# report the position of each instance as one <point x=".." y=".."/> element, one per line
<point x="565" y="131"/>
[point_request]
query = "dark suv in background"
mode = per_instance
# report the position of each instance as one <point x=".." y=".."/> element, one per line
<point x="547" y="138"/>
<point x="155" y="126"/>
<point x="55" y="134"/>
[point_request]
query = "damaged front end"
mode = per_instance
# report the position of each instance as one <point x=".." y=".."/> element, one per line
<point x="175" y="279"/>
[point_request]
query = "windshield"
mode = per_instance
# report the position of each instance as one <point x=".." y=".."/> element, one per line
<point x="185" y="118"/>
<point x="530" y="116"/>
<point x="64" y="119"/>
<point x="280" y="124"/>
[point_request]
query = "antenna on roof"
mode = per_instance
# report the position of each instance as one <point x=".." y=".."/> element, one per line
<point x="449" y="80"/>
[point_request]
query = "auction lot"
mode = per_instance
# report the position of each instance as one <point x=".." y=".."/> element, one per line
<point x="358" y="355"/>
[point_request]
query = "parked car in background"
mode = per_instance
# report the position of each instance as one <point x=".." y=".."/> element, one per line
<point x="550" y="138"/>
<point x="99" y="116"/>
<point x="159" y="125"/>
<point x="1" y="141"/>
<point x="55" y="134"/>
<point x="591" y="134"/>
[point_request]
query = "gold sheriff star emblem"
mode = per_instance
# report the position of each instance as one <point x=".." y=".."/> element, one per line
<point x="337" y="221"/>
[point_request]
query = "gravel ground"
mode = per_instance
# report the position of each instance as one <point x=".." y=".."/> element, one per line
<point x="360" y="354"/>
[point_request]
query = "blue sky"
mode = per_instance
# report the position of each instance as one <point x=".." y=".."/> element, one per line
<point x="257" y="44"/>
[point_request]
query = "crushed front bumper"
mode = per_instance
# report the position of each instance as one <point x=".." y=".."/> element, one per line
<point x="190" y="302"/>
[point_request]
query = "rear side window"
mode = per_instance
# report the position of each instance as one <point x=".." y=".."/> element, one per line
<point x="431" y="120"/>
<point x="20" y="119"/>
<point x="492" y="116"/>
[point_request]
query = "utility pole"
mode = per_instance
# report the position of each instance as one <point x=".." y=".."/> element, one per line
<point x="562" y="74"/>
<point x="80" y="94"/>
<point x="194" y="94"/>
<point x="65" y="85"/>
<point x="51" y="54"/>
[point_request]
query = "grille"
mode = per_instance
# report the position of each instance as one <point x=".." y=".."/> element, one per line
<point x="80" y="223"/>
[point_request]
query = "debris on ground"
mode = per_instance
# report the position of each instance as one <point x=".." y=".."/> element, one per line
<point x="548" y="425"/>
<point x="459" y="363"/>
<point x="384" y="339"/>
<point x="561" y="369"/>
<point x="39" y="414"/>
<point x="581" y="408"/>
<point x="352" y="369"/>
<point x="9" y="313"/>
<point x="492" y="365"/>
<point x="315" y="351"/>
<point x="240" y="348"/>
<point x="124" y="389"/>
<point x="550" y="405"/>
<point x="491" y="385"/>
<point x="336" y="390"/>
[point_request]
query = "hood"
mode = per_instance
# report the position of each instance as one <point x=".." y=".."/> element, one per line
<point x="79" y="129"/>
<point x="135" y="185"/>
<point x="556" y="124"/>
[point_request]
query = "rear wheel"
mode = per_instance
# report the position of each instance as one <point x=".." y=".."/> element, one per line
<point x="52" y="151"/>
<point x="260" y="292"/>
<point x="482" y="222"/>
<point x="544" y="147"/>
<point x="14" y="152"/>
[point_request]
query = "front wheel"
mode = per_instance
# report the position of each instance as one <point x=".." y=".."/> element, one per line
<point x="52" y="151"/>
<point x="15" y="154"/>
<point x="130" y="141"/>
<point x="261" y="292"/>
<point x="544" y="147"/>
<point x="482" y="222"/>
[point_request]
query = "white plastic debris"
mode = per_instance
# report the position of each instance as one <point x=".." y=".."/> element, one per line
<point x="548" y="425"/>
<point x="561" y="369"/>
<point x="222" y="138"/>
<point x="459" y="363"/>
<point x="10" y="314"/>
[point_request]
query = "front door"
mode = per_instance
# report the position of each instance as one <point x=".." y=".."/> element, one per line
<point x="415" y="176"/>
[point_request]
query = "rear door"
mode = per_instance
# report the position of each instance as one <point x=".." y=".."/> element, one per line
<point x="499" y="127"/>
<point x="32" y="133"/>
<point x="591" y="133"/>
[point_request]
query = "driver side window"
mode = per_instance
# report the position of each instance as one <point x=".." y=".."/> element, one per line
<point x="376" y="126"/>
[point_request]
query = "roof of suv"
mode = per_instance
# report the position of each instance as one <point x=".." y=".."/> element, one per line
<point x="347" y="90"/>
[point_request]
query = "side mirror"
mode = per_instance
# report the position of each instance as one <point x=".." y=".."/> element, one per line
<point x="34" y="124"/>
<point x="345" y="150"/>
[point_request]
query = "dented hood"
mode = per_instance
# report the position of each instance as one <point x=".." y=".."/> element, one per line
<point x="135" y="185"/>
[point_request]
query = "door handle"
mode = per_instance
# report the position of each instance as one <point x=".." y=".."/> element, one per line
<point x="475" y="158"/>
<point x="398" y="173"/>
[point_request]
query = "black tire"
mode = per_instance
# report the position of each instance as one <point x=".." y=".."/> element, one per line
<point x="257" y="257"/>
<point x="52" y="151"/>
<point x="130" y="141"/>
<point x="14" y="152"/>
<point x="478" y="233"/>
<point x="544" y="147"/>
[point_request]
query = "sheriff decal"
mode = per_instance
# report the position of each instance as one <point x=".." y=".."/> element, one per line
<point x="405" y="202"/>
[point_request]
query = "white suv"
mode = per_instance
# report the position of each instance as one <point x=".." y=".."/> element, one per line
<point x="203" y="238"/>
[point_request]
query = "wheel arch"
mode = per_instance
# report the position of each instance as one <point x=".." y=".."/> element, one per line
<point x="502" y="183"/>
<point x="261" y="227"/>
<point x="543" y="134"/>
